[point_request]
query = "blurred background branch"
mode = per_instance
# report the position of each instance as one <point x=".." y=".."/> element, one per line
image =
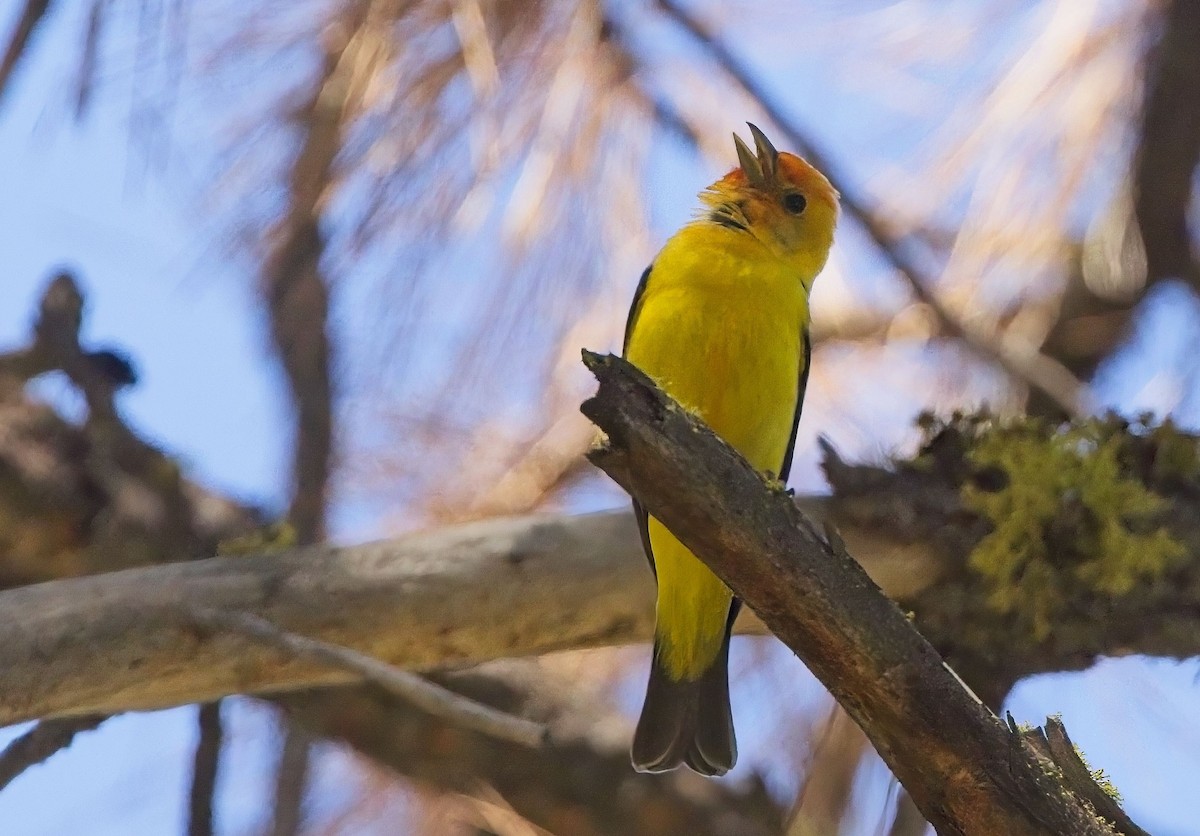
<point x="295" y="290"/>
<point x="1169" y="148"/>
<point x="40" y="743"/>
<point x="30" y="15"/>
<point x="205" y="766"/>
<point x="436" y="204"/>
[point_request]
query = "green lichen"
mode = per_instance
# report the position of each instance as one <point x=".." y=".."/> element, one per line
<point x="1176" y="455"/>
<point x="271" y="538"/>
<point x="1103" y="780"/>
<point x="1064" y="507"/>
<point x="775" y="484"/>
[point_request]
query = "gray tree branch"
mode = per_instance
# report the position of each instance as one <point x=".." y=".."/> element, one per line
<point x="124" y="641"/>
<point x="500" y="588"/>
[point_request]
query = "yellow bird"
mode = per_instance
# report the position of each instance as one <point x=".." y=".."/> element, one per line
<point x="720" y="321"/>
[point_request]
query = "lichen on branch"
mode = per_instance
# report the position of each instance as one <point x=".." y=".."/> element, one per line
<point x="1068" y="510"/>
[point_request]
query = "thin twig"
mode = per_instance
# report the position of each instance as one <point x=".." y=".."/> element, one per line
<point x="1024" y="363"/>
<point x="204" y="770"/>
<point x="40" y="743"/>
<point x="408" y="686"/>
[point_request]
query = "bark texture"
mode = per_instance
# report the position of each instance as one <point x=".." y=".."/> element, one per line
<point x="965" y="770"/>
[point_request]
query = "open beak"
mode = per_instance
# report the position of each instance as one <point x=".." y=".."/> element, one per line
<point x="761" y="168"/>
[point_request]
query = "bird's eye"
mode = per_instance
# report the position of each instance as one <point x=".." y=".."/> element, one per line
<point x="794" y="203"/>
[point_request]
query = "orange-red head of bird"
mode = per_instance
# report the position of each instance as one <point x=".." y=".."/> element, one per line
<point x="779" y="199"/>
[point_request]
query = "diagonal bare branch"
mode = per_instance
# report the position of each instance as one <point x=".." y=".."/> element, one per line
<point x="964" y="769"/>
<point x="1022" y="362"/>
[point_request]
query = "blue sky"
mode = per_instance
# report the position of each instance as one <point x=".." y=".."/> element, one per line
<point x="153" y="286"/>
<point x="72" y="196"/>
<point x="158" y="287"/>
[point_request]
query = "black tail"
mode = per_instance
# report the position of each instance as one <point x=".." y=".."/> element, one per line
<point x="686" y="722"/>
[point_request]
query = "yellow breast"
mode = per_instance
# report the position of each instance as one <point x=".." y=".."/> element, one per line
<point x="720" y="327"/>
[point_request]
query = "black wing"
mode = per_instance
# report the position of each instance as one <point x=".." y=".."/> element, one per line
<point x="635" y="307"/>
<point x="639" y="513"/>
<point x="786" y="468"/>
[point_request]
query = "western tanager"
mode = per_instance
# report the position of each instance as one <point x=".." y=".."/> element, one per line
<point x="720" y="321"/>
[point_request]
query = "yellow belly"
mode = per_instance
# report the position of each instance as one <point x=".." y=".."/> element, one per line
<point x="725" y="341"/>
